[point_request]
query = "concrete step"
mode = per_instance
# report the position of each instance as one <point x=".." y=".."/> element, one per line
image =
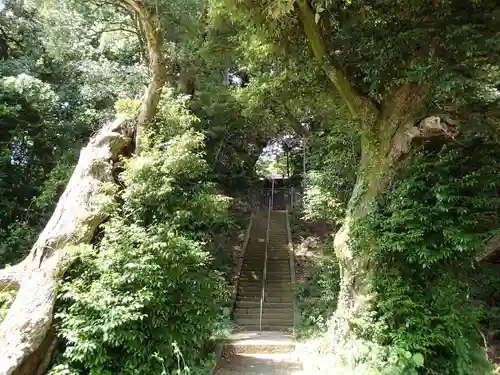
<point x="266" y="306"/>
<point x="286" y="314"/>
<point x="275" y="265"/>
<point x="270" y="280"/>
<point x="256" y="294"/>
<point x="258" y="342"/>
<point x="266" y="322"/>
<point x="255" y="327"/>
<point x="276" y="278"/>
<point x="281" y="296"/>
<point x="269" y="289"/>
<point x="270" y="260"/>
<point x="257" y="269"/>
<point x="271" y="299"/>
<point x="250" y="304"/>
<point x="270" y="275"/>
<point x="250" y="282"/>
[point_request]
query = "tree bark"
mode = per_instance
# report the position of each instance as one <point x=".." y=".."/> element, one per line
<point x="394" y="133"/>
<point x="80" y="210"/>
<point x="152" y="32"/>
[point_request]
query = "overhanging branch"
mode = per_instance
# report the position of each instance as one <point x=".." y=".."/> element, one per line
<point x="149" y="28"/>
<point x="356" y="103"/>
<point x="492" y="246"/>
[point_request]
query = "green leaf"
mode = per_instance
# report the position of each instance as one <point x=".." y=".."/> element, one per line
<point x="418" y="358"/>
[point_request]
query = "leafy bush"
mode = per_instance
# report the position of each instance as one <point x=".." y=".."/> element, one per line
<point x="147" y="294"/>
<point x="422" y="240"/>
<point x="320" y="201"/>
<point x="317" y="297"/>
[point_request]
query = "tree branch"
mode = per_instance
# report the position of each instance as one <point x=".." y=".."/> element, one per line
<point x="149" y="26"/>
<point x="116" y="29"/>
<point x="295" y="124"/>
<point x="356" y="103"/>
<point x="492" y="246"/>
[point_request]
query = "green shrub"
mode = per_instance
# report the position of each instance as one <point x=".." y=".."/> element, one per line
<point x="422" y="240"/>
<point x="146" y="300"/>
<point x="317" y="297"/>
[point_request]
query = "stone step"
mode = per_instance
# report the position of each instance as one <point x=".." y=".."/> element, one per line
<point x="277" y="275"/>
<point x="250" y="293"/>
<point x="270" y="280"/>
<point x="270" y="299"/>
<point x="266" y="322"/>
<point x="270" y="259"/>
<point x="259" y="266"/>
<point x="277" y="305"/>
<point x="270" y="307"/>
<point x="256" y="275"/>
<point x="255" y="327"/>
<point x="258" y="342"/>
<point x="271" y="270"/>
<point x="271" y="292"/>
<point x="277" y="264"/>
<point x="269" y="284"/>
<point x="273" y="321"/>
<point x="268" y="295"/>
<point x="266" y="311"/>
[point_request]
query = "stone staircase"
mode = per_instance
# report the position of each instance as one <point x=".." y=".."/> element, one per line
<point x="278" y="302"/>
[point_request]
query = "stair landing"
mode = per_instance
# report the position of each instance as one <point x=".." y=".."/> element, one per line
<point x="259" y="353"/>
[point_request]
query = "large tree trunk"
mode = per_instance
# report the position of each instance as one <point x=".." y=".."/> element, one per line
<point x="388" y="131"/>
<point x="150" y="28"/>
<point x="391" y="137"/>
<point x="26" y="338"/>
<point x="80" y="210"/>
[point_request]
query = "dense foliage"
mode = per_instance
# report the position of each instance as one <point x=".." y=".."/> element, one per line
<point x="424" y="237"/>
<point x="54" y="92"/>
<point x="147" y="298"/>
<point x="331" y="162"/>
<point x="317" y="294"/>
<point x="147" y="294"/>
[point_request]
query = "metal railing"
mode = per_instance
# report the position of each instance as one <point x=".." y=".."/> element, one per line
<point x="264" y="272"/>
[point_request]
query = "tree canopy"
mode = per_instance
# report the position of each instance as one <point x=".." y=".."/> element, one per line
<point x="130" y="128"/>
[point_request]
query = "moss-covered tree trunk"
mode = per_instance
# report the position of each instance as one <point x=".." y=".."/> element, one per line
<point x="399" y="127"/>
<point x="389" y="132"/>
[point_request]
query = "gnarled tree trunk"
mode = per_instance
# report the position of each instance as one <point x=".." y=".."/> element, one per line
<point x="393" y="136"/>
<point x="388" y="132"/>
<point x="80" y="210"/>
<point x="26" y="338"/>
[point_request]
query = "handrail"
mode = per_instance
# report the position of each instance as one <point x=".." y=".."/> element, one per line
<point x="264" y="272"/>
